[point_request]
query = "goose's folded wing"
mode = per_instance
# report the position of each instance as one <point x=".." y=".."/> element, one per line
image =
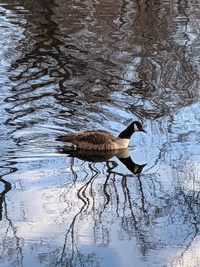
<point x="91" y="137"/>
<point x="105" y="132"/>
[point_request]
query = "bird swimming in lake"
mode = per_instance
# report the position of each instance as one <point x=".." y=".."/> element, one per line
<point x="100" y="139"/>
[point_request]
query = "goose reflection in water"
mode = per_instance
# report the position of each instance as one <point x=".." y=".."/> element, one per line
<point x="103" y="156"/>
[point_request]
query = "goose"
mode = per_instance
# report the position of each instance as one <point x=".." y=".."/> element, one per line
<point x="100" y="139"/>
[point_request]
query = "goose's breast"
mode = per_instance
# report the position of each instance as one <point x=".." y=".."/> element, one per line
<point x="121" y="143"/>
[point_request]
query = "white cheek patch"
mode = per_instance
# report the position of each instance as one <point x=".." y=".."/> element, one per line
<point x="136" y="129"/>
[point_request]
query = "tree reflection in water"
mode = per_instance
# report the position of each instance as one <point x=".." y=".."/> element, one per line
<point x="7" y="188"/>
<point x="134" y="204"/>
<point x="98" y="209"/>
<point x="14" y="251"/>
<point x="103" y="201"/>
<point x="114" y="61"/>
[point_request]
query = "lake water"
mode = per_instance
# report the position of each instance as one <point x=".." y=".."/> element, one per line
<point x="67" y="66"/>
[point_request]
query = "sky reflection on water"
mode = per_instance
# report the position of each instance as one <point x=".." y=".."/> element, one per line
<point x="68" y="66"/>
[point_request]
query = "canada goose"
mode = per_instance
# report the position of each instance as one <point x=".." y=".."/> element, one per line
<point x="100" y="140"/>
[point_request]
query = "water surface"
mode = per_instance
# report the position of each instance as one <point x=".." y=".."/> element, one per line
<point x="77" y="65"/>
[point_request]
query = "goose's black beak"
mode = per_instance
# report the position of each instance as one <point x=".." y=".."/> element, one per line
<point x="143" y="131"/>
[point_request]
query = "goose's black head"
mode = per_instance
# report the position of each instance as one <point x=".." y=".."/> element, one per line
<point x="135" y="126"/>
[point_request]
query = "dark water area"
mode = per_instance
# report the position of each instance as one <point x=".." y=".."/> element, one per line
<point x="67" y="66"/>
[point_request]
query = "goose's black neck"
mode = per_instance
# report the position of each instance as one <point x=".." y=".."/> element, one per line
<point x="127" y="133"/>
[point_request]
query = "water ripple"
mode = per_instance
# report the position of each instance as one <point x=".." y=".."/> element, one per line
<point x="73" y="65"/>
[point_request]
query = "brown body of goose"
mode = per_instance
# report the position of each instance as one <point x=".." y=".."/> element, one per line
<point x="100" y="140"/>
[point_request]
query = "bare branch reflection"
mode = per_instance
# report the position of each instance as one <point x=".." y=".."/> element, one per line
<point x="10" y="235"/>
<point x="96" y="203"/>
<point x="113" y="61"/>
<point x="7" y="188"/>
